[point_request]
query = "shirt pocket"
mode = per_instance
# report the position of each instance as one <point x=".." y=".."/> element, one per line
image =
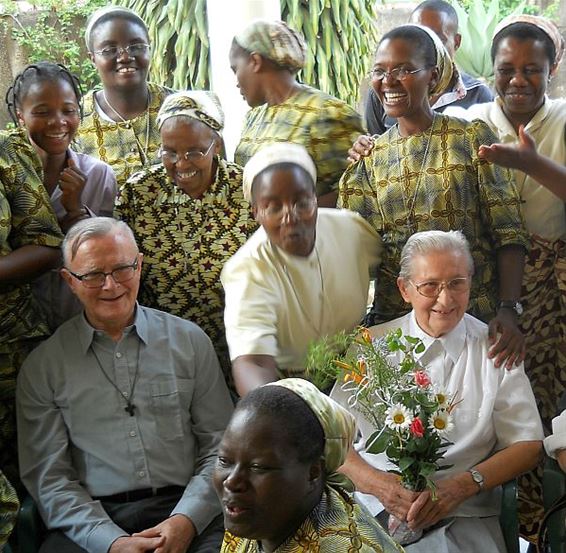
<point x="170" y="402"/>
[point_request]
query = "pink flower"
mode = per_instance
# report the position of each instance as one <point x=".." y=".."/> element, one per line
<point x="417" y="429"/>
<point x="422" y="380"/>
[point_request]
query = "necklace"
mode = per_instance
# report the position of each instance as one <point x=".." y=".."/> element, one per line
<point x="142" y="150"/>
<point x="410" y="203"/>
<point x="130" y="407"/>
<point x="315" y="327"/>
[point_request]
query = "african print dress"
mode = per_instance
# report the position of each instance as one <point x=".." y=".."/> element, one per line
<point x="435" y="181"/>
<point x="127" y="146"/>
<point x="325" y="126"/>
<point x="26" y="219"/>
<point x="186" y="242"/>
<point x="9" y="506"/>
<point x="337" y="524"/>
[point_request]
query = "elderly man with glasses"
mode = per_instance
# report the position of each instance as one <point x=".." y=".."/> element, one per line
<point x="120" y="413"/>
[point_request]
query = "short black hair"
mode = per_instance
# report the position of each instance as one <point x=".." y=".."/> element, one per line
<point x="418" y="37"/>
<point x="297" y="421"/>
<point x="125" y="14"/>
<point x="523" y="32"/>
<point x="43" y="71"/>
<point x="285" y="166"/>
<point x="439" y="6"/>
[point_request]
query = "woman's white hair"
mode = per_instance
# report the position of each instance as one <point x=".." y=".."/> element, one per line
<point x="424" y="243"/>
<point x="90" y="228"/>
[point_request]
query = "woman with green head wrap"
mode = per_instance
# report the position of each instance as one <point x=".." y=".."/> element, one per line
<point x="425" y="173"/>
<point x="277" y="481"/>
<point x="188" y="214"/>
<point x="265" y="58"/>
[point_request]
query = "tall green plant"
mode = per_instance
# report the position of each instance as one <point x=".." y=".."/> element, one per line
<point x="477" y="25"/>
<point x="341" y="37"/>
<point x="57" y="34"/>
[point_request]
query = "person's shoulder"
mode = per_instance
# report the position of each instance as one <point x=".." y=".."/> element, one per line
<point x="475" y="126"/>
<point x="475" y="329"/>
<point x="151" y="178"/>
<point x="317" y="98"/>
<point x="87" y="163"/>
<point x="340" y="219"/>
<point x="379" y="330"/>
<point x="231" y="171"/>
<point x="160" y="322"/>
<point x="159" y="91"/>
<point x="14" y="140"/>
<point x="88" y="102"/>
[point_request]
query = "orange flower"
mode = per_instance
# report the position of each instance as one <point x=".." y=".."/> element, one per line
<point x="366" y="336"/>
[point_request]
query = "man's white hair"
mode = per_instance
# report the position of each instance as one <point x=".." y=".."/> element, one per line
<point x="423" y="243"/>
<point x="91" y="228"/>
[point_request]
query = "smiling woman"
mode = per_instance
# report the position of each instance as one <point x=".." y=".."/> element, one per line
<point x="277" y="481"/>
<point x="188" y="214"/>
<point x="119" y="124"/>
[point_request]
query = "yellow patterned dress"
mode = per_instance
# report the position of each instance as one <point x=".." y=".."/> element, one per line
<point x="26" y="218"/>
<point x="9" y="506"/>
<point x="435" y="181"/>
<point x="127" y="146"/>
<point x="324" y="125"/>
<point x="186" y="242"/>
<point x="337" y="524"/>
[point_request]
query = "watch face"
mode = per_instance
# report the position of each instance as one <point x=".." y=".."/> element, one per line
<point x="519" y="308"/>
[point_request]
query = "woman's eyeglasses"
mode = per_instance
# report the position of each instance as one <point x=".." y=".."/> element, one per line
<point x="133" y="50"/>
<point x="301" y="209"/>
<point x="433" y="288"/>
<point x="399" y="73"/>
<point x="192" y="155"/>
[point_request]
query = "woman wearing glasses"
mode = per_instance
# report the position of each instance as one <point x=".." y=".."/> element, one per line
<point x="302" y="276"/>
<point x="425" y="174"/>
<point x="118" y="126"/>
<point x="188" y="214"/>
<point x="496" y="433"/>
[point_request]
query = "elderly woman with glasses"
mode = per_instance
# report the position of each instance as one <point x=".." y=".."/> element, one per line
<point x="119" y="124"/>
<point x="497" y="431"/>
<point x="303" y="275"/>
<point x="188" y="214"/>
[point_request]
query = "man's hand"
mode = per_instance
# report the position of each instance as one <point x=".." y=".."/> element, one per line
<point x="515" y="156"/>
<point x="362" y="147"/>
<point x="177" y="531"/>
<point x="509" y="348"/>
<point x="129" y="544"/>
<point x="396" y="499"/>
<point x="71" y="182"/>
<point x="450" y="492"/>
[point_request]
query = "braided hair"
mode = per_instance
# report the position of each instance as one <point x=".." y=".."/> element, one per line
<point x="43" y="71"/>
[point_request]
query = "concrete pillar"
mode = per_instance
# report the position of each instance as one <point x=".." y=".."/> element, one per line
<point x="224" y="20"/>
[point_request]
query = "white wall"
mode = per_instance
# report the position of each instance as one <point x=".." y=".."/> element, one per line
<point x="225" y="18"/>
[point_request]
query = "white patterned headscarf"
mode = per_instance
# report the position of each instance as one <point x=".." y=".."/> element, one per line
<point x="107" y="12"/>
<point x="202" y="105"/>
<point x="273" y="154"/>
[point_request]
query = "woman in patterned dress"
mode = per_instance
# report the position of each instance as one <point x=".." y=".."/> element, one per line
<point x="276" y="476"/>
<point x="119" y="123"/>
<point x="188" y="215"/>
<point x="265" y="57"/>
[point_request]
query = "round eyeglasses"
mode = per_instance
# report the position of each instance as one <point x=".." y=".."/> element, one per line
<point x="433" y="288"/>
<point x="192" y="155"/>
<point x="96" y="279"/>
<point x="133" y="50"/>
<point x="399" y="73"/>
<point x="301" y="209"/>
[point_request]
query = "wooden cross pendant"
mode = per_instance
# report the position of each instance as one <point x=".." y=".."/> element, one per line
<point x="130" y="408"/>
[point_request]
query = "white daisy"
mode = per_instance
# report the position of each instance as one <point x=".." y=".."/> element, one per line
<point x="398" y="417"/>
<point x="442" y="397"/>
<point x="441" y="422"/>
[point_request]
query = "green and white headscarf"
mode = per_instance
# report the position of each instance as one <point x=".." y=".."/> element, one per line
<point x="276" y="41"/>
<point x="339" y="427"/>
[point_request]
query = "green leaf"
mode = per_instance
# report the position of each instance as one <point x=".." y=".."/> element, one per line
<point x="377" y="442"/>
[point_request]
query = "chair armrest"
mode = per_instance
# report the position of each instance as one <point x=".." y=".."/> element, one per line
<point x="554" y="487"/>
<point x="509" y="517"/>
<point x="30" y="527"/>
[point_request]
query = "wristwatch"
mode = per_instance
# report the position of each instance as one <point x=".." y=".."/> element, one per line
<point x="477" y="477"/>
<point x="516" y="306"/>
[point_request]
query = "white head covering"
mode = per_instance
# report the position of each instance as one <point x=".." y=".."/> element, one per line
<point x="273" y="154"/>
<point x="118" y="11"/>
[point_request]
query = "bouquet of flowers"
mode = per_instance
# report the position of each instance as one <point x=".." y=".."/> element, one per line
<point x="386" y="384"/>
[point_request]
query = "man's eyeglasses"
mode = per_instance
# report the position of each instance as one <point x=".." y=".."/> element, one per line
<point x="301" y="209"/>
<point x="433" y="288"/>
<point x="192" y="155"/>
<point x="133" y="50"/>
<point x="399" y="73"/>
<point x="96" y="279"/>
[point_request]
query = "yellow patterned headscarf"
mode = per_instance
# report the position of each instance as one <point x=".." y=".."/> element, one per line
<point x="202" y="105"/>
<point x="338" y="425"/>
<point x="543" y="24"/>
<point x="276" y="41"/>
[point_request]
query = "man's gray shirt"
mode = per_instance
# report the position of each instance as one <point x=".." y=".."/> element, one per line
<point x="76" y="441"/>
